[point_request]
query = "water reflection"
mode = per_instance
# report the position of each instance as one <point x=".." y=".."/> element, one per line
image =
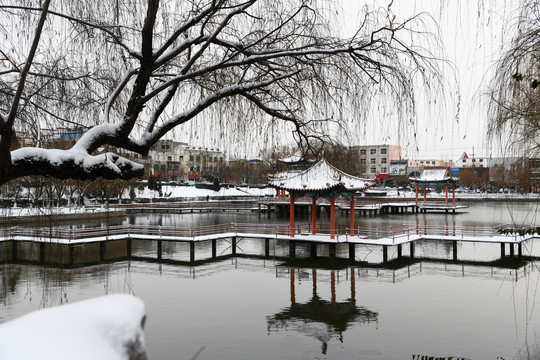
<point x="318" y="318"/>
<point x="314" y="303"/>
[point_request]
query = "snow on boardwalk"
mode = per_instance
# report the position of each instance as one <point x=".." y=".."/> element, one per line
<point x="387" y="237"/>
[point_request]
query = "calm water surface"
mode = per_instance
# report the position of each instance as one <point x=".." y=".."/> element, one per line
<point x="247" y="308"/>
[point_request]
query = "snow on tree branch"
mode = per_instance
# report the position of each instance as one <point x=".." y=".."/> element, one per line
<point x="68" y="164"/>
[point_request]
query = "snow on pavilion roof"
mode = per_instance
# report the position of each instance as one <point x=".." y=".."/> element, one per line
<point x="434" y="175"/>
<point x="320" y="177"/>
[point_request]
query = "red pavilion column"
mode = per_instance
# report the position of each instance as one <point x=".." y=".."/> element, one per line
<point x="313" y="215"/>
<point x="453" y="194"/>
<point x="352" y="215"/>
<point x="446" y="189"/>
<point x="424" y="195"/>
<point x="332" y="216"/>
<point x="416" y="185"/>
<point x="291" y="227"/>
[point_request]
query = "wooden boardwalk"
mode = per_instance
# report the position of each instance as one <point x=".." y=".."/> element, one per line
<point x="43" y="244"/>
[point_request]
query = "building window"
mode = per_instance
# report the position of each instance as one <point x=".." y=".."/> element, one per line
<point x="373" y="170"/>
<point x="198" y="158"/>
<point x="191" y="168"/>
<point x="383" y="170"/>
<point x="373" y="161"/>
<point x="372" y="151"/>
<point x="433" y="163"/>
<point x="362" y="151"/>
<point x="473" y="160"/>
<point x="481" y="160"/>
<point x="464" y="161"/>
<point x="362" y="161"/>
<point x="191" y="158"/>
<point x="383" y="151"/>
<point x="169" y="158"/>
<point x="181" y="158"/>
<point x="383" y="160"/>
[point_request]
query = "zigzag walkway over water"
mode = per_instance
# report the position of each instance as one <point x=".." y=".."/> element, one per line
<point x="79" y="246"/>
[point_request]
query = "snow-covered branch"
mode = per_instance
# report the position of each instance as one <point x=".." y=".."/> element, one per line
<point x="116" y="93"/>
<point x="72" y="164"/>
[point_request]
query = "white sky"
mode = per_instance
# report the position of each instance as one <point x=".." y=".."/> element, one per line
<point x="471" y="33"/>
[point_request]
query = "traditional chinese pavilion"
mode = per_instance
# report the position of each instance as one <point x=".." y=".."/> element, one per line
<point x="435" y="178"/>
<point x="296" y="162"/>
<point x="320" y="180"/>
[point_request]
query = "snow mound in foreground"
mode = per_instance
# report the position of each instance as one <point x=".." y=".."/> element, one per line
<point x="107" y="327"/>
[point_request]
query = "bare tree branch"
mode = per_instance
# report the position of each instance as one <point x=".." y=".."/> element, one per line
<point x="132" y="75"/>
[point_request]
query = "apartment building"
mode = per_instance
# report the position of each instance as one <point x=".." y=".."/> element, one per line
<point x="179" y="161"/>
<point x="376" y="159"/>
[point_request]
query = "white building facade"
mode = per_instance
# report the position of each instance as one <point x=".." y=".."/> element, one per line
<point x="376" y="159"/>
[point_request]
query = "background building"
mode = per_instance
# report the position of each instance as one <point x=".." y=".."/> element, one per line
<point x="376" y="159"/>
<point x="178" y="161"/>
<point x="465" y="161"/>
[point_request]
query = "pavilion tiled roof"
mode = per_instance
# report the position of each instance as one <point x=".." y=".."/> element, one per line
<point x="321" y="177"/>
<point x="434" y="175"/>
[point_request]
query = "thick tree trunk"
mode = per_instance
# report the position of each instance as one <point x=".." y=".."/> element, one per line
<point x="6" y="135"/>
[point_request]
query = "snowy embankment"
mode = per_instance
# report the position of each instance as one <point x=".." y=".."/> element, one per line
<point x="60" y="210"/>
<point x="177" y="192"/>
<point x="107" y="328"/>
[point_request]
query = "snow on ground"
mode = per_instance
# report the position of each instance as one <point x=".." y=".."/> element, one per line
<point x="107" y="328"/>
<point x="59" y="210"/>
<point x="193" y="192"/>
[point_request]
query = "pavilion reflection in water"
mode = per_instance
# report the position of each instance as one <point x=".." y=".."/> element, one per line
<point x="319" y="318"/>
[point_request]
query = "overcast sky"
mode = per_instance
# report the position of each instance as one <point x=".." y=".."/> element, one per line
<point x="472" y="36"/>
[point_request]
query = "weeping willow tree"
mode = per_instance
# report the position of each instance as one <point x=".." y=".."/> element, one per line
<point x="515" y="90"/>
<point x="128" y="72"/>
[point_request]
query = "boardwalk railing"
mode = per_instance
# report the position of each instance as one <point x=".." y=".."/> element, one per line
<point x="245" y="229"/>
